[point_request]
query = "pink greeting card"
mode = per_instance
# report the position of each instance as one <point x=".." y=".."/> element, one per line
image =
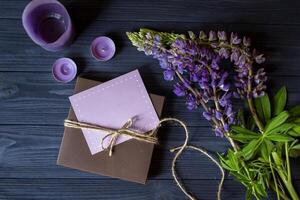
<point x="111" y="104"/>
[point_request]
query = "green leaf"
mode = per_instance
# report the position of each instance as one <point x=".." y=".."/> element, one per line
<point x="250" y="149"/>
<point x="297" y="146"/>
<point x="277" y="121"/>
<point x="277" y="159"/>
<point x="263" y="108"/>
<point x="230" y="161"/>
<point x="280" y="138"/>
<point x="266" y="149"/>
<point x="295" y="111"/>
<point x="280" y="100"/>
<point x="296" y="128"/>
<point x="293" y="133"/>
<point x="239" y="129"/>
<point x="259" y="109"/>
<point x="248" y="195"/>
<point x="244" y="138"/>
<point x="283" y="128"/>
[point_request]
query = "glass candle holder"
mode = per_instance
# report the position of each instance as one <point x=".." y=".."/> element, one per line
<point x="48" y="24"/>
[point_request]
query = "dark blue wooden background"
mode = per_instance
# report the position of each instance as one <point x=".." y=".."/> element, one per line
<point x="33" y="106"/>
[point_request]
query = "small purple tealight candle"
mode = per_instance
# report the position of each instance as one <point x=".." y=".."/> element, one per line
<point x="48" y="24"/>
<point x="103" y="48"/>
<point x="64" y="70"/>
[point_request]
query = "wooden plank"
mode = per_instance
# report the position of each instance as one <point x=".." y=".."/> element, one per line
<point x="229" y="11"/>
<point x="32" y="98"/>
<point x="31" y="152"/>
<point x="76" y="189"/>
<point x="279" y="43"/>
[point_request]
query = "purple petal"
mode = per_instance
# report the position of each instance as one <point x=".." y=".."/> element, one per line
<point x="222" y="35"/>
<point x="260" y="59"/>
<point x="169" y="75"/>
<point x="219" y="132"/>
<point x="179" y="90"/>
<point x="218" y="115"/>
<point x="207" y="115"/>
<point x="212" y="36"/>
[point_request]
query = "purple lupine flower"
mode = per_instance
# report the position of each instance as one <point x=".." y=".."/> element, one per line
<point x="169" y="75"/>
<point x="207" y="115"/>
<point x="191" y="102"/>
<point x="179" y="90"/>
<point x="222" y="84"/>
<point x="246" y="41"/>
<point x="224" y="53"/>
<point x="212" y="36"/>
<point x="222" y="35"/>
<point x="260" y="59"/>
<point x="260" y="76"/>
<point x="225" y="99"/>
<point x="219" y="132"/>
<point x="218" y="115"/>
<point x="235" y="54"/>
<point x="226" y="128"/>
<point x="200" y="76"/>
<point x="164" y="64"/>
<point x="234" y="39"/>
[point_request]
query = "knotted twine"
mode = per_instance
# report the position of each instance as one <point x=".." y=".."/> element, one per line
<point x="150" y="137"/>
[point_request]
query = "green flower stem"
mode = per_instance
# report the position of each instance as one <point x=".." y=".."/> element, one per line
<point x="289" y="175"/>
<point x="254" y="115"/>
<point x="289" y="186"/>
<point x="288" y="183"/>
<point x="280" y="193"/>
<point x="284" y="173"/>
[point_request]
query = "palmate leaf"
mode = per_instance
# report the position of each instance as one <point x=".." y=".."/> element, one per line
<point x="280" y="138"/>
<point x="251" y="148"/>
<point x="241" y="130"/>
<point x="266" y="149"/>
<point x="283" y="128"/>
<point x="230" y="161"/>
<point x="280" y="101"/>
<point x="243" y="138"/>
<point x="277" y="121"/>
<point x="263" y="108"/>
<point x="242" y="134"/>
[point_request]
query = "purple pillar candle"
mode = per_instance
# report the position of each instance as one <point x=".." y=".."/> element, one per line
<point x="64" y="70"/>
<point x="48" y="24"/>
<point x="103" y="48"/>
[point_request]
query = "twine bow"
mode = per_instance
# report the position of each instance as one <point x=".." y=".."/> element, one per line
<point x="113" y="134"/>
<point x="149" y="137"/>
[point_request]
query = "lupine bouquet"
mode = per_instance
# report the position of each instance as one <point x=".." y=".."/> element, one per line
<point x="263" y="135"/>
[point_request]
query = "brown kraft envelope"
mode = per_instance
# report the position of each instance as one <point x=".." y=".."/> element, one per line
<point x="130" y="160"/>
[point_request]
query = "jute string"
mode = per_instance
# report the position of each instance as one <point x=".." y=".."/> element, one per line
<point x="150" y="137"/>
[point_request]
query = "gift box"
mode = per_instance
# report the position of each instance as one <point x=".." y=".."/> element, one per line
<point x="131" y="158"/>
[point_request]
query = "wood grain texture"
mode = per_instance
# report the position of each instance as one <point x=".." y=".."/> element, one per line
<point x="31" y="152"/>
<point x="33" y="106"/>
<point x="224" y="11"/>
<point x="35" y="98"/>
<point x="279" y="43"/>
<point x="65" y="189"/>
